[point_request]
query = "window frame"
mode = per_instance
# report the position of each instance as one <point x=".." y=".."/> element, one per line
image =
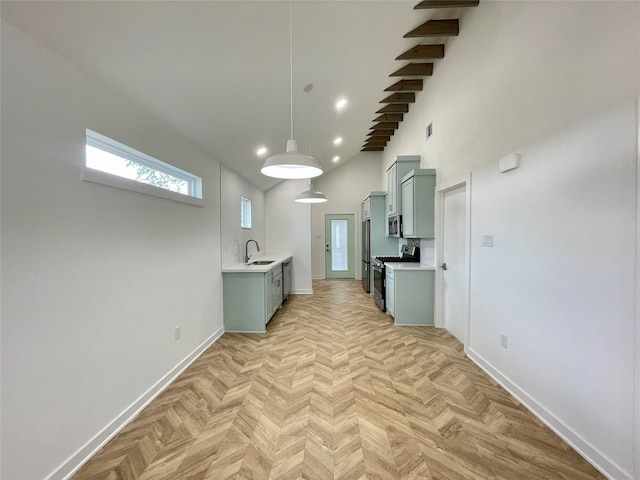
<point x="101" y="142"/>
<point x="245" y="204"/>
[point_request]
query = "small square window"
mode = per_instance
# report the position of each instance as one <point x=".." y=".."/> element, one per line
<point x="245" y="212"/>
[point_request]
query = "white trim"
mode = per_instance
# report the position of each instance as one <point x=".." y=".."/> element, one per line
<point x="302" y="292"/>
<point x="96" y="176"/>
<point x="70" y="466"/>
<point x="599" y="460"/>
<point x="247" y="331"/>
<point x="409" y="324"/>
<point x="439" y="237"/>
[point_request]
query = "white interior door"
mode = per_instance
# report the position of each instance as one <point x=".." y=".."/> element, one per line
<point x="454" y="263"/>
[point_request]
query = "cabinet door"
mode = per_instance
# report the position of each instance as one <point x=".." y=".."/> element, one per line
<point x="392" y="208"/>
<point x="268" y="296"/>
<point x="390" y="296"/>
<point x="408" y="218"/>
<point x="276" y="292"/>
<point x="366" y="209"/>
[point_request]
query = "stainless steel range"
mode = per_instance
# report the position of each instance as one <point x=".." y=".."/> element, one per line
<point x="409" y="253"/>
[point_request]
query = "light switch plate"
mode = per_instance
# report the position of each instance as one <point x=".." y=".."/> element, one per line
<point x="487" y="240"/>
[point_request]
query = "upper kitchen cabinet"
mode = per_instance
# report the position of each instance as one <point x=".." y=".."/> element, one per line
<point x="381" y="243"/>
<point x="418" y="198"/>
<point x="366" y="209"/>
<point x="402" y="165"/>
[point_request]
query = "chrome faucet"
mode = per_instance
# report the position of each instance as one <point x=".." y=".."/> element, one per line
<point x="246" y="249"/>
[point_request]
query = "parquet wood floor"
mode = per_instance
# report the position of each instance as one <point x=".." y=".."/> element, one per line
<point x="335" y="391"/>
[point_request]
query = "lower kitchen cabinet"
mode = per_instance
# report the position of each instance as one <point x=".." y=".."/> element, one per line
<point x="251" y="299"/>
<point x="409" y="296"/>
<point x="390" y="291"/>
<point x="275" y="287"/>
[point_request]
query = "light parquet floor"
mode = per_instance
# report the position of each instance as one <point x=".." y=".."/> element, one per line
<point x="335" y="391"/>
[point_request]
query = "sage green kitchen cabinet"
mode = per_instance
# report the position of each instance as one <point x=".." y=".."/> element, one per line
<point x="380" y="242"/>
<point x="366" y="209"/>
<point x="250" y="299"/>
<point x="402" y="165"/>
<point x="392" y="176"/>
<point x="418" y="202"/>
<point x="409" y="297"/>
<point x="390" y="291"/>
<point x="275" y="291"/>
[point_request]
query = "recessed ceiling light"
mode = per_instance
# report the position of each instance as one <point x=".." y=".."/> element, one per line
<point x="338" y="141"/>
<point x="340" y="104"/>
<point x="336" y="159"/>
<point x="261" y="151"/>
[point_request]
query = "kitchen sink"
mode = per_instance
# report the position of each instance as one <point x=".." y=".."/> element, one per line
<point x="261" y="262"/>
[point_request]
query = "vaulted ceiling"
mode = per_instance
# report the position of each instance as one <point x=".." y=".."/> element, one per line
<point x="218" y="71"/>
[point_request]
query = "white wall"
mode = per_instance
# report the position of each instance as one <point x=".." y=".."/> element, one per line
<point x="288" y="230"/>
<point x="345" y="187"/>
<point x="94" y="278"/>
<point x="518" y="72"/>
<point x="560" y="282"/>
<point x="234" y="237"/>
<point x="533" y="77"/>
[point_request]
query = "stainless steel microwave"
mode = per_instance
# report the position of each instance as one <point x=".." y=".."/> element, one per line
<point x="395" y="226"/>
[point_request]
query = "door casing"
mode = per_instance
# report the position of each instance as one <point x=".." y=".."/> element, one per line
<point x="440" y="290"/>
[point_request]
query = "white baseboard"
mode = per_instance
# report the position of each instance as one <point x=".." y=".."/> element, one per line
<point x="84" y="454"/>
<point x="302" y="292"/>
<point x="596" y="458"/>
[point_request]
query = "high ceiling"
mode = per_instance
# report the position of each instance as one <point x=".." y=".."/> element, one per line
<point x="218" y="71"/>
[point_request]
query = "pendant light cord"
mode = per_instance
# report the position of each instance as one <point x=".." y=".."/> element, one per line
<point x="291" y="61"/>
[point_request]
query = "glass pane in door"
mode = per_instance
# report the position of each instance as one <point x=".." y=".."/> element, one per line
<point x="339" y="246"/>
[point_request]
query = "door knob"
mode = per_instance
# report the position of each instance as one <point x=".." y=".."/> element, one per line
<point x="443" y="266"/>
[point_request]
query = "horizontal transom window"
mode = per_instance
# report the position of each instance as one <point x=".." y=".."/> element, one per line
<point x="113" y="163"/>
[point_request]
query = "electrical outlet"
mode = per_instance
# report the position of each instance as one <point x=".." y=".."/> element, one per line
<point x="504" y="341"/>
<point x="177" y="333"/>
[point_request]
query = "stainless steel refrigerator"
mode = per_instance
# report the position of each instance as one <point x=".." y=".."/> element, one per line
<point x="366" y="255"/>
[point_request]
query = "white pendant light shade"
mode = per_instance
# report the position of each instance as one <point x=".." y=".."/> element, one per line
<point x="291" y="164"/>
<point x="311" y="196"/>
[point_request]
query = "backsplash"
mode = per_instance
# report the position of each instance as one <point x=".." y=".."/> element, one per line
<point x="427" y="248"/>
<point x="427" y="251"/>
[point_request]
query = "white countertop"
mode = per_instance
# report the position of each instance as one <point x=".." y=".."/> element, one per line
<point x="408" y="266"/>
<point x="250" y="268"/>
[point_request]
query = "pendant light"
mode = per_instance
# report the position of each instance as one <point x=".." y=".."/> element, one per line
<point x="311" y="196"/>
<point x="291" y="164"/>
